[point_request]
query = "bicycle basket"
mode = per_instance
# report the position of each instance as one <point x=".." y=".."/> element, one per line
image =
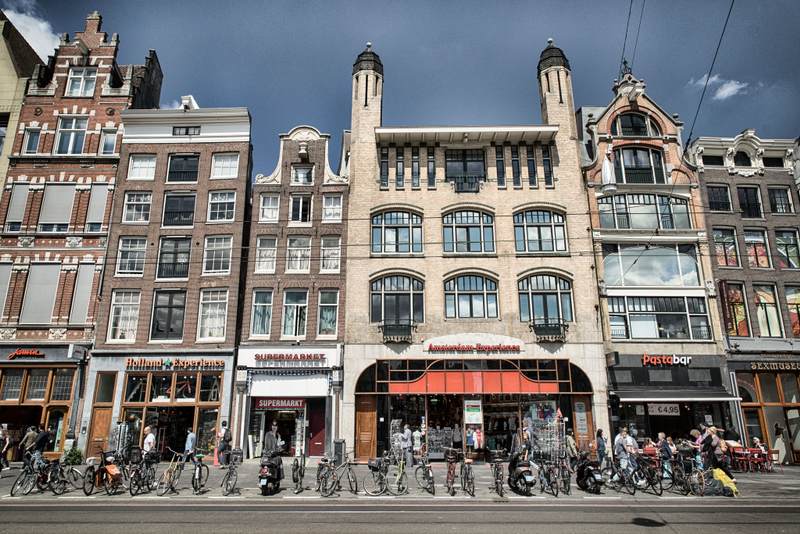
<point x="135" y="455"/>
<point x="236" y="456"/>
<point x="375" y="464"/>
<point x="152" y="457"/>
<point x="113" y="471"/>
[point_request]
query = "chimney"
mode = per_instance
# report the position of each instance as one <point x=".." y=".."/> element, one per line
<point x="93" y="22"/>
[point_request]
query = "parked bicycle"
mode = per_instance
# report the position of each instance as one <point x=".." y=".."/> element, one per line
<point x="169" y="478"/>
<point x="496" y="467"/>
<point x="228" y="484"/>
<point x="396" y="478"/>
<point x="375" y="481"/>
<point x="103" y="472"/>
<point x="330" y="479"/>
<point x="647" y="475"/>
<point x="143" y="471"/>
<point x="424" y="472"/>
<point x="199" y="472"/>
<point x="549" y="477"/>
<point x="564" y="475"/>
<point x="619" y="479"/>
<point x="298" y="472"/>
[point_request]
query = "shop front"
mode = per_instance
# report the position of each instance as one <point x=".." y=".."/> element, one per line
<point x="39" y="385"/>
<point x="670" y="393"/>
<point x="169" y="393"/>
<point x="294" y="388"/>
<point x="769" y="389"/>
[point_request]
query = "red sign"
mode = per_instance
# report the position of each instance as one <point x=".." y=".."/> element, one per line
<point x="291" y="356"/>
<point x="280" y="404"/>
<point x="26" y="353"/>
<point x="665" y="359"/>
<point x="478" y="347"/>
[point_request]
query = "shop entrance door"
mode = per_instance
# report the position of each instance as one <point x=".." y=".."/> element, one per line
<point x="366" y="426"/>
<point x="171" y="426"/>
<point x="57" y="420"/>
<point x="100" y="428"/>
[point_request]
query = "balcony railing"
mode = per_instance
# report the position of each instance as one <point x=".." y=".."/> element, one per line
<point x="397" y="331"/>
<point x="182" y="176"/>
<point x="178" y="217"/>
<point x="466" y="183"/>
<point x="173" y="270"/>
<point x="638" y="175"/>
<point x="552" y="330"/>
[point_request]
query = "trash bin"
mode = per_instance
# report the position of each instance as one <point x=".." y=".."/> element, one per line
<point x="338" y="451"/>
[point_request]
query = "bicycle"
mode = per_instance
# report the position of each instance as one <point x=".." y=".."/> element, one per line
<point x="200" y="472"/>
<point x="26" y="480"/>
<point x="106" y="474"/>
<point x="496" y="467"/>
<point x="375" y="482"/>
<point x="424" y="473"/>
<point x="143" y="471"/>
<point x="228" y="484"/>
<point x="451" y="457"/>
<point x="645" y="475"/>
<point x="549" y="478"/>
<point x="330" y="477"/>
<point x="298" y="472"/>
<point x="619" y="479"/>
<point x="564" y="475"/>
<point x="397" y="481"/>
<point x="171" y="474"/>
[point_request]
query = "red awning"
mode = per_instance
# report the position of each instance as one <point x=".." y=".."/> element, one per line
<point x="487" y="382"/>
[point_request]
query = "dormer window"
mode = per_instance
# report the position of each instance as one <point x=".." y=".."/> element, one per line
<point x="81" y="82"/>
<point x="302" y="174"/>
<point x="635" y="125"/>
<point x="741" y="159"/>
<point x="185" y="130"/>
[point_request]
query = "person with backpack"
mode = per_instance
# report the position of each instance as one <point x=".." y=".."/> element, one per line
<point x="224" y="444"/>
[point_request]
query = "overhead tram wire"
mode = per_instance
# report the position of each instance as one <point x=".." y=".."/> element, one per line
<point x="625" y="41"/>
<point x="638" y="29"/>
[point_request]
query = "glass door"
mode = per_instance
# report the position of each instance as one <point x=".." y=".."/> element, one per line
<point x="793" y="434"/>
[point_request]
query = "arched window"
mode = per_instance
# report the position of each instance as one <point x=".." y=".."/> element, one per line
<point x="741" y="159"/>
<point x="468" y="231"/>
<point x="539" y="231"/>
<point x="396" y="232"/>
<point x="397" y="300"/>
<point x="635" y="125"/>
<point x="644" y="211"/>
<point x="470" y="297"/>
<point x="545" y="299"/>
<point x="639" y="166"/>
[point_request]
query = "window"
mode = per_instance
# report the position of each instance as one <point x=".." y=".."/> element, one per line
<point x="173" y="258"/>
<point x="137" y="207"/>
<point x="793" y="303"/>
<point x="786" y="244"/>
<point x="464" y="163"/>
<point x="108" y="142"/>
<point x="643" y="211"/>
<point x="741" y="159"/>
<point x="650" y="265"/>
<point x="384" y="167"/>
<point x="185" y="130"/>
<point x="547" y="166"/>
<point x="82" y="294"/>
<point x="397" y="300"/>
<point x="749" y="202"/>
<point x="298" y="254"/>
<point x="400" y="167"/>
<point x="515" y="169"/>
<point x="213" y="314"/>
<point x="183" y="168"/>
<point x="755" y="243"/>
<point x="719" y="198"/>
<point x="56" y="210"/>
<point x="300" y="209"/>
<point x="499" y="154"/>
<point x="531" y="155"/>
<point x="225" y="166"/>
<point x="635" y="125"/>
<point x="217" y="256"/>
<point x="331" y="208"/>
<point x="266" y="252"/>
<point x="40" y="293"/>
<point x="178" y="209"/>
<point x="62" y="384"/>
<point x="780" y="201"/>
<point x="96" y="211"/>
<point x="124" y="317"/>
<point x="31" y="143"/>
<point x="769" y="319"/>
<point x="470" y="297"/>
<point x="302" y="174"/>
<point x="396" y="232"/>
<point x="270" y="205"/>
<point x="221" y="206"/>
<point x="168" y="312"/>
<point x="262" y="313"/>
<point x="431" y="151"/>
<point x="16" y="207"/>
<point x="774" y="162"/>
<point x="545" y="299"/>
<point x="330" y="254"/>
<point x="131" y="255"/>
<point x="468" y="231"/>
<point x="735" y="310"/>
<point x="37" y="384"/>
<point x="713" y="160"/>
<point x="81" y="81"/>
<point x="142" y="167"/>
<point x="295" y="307"/>
<point x="415" y="166"/>
<point x="659" y="318"/>
<point x="70" y="135"/>
<point x="539" y="231"/>
<point x="12" y="384"/>
<point x="725" y="247"/>
<point x="328" y="313"/>
<point x="639" y="166"/>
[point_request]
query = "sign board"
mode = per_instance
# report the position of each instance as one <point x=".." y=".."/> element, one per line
<point x="26" y="353"/>
<point x="288" y="357"/>
<point x="665" y="360"/>
<point x="775" y="366"/>
<point x="177" y="364"/>
<point x="473" y="348"/>
<point x="663" y="409"/>
<point x="581" y="420"/>
<point x="473" y="412"/>
<point x="279" y="404"/>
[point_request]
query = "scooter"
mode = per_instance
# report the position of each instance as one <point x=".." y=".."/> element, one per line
<point x="520" y="476"/>
<point x="271" y="472"/>
<point x="588" y="474"/>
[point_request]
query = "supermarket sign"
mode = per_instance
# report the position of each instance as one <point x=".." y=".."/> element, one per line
<point x="263" y="403"/>
<point x="288" y="357"/>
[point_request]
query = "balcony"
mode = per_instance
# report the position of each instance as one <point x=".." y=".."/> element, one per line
<point x="173" y="270"/>
<point x="466" y="183"/>
<point x="178" y="217"/>
<point x="181" y="176"/>
<point x="549" y="330"/>
<point x="397" y="332"/>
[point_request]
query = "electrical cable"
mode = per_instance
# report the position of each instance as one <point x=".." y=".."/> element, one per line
<point x="625" y="41"/>
<point x="638" y="29"/>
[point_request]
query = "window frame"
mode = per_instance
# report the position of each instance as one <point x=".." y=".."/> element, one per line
<point x="300" y="307"/>
<point x="399" y="167"/>
<point x="171" y="159"/>
<point x="178" y="193"/>
<point x="686" y="313"/>
<point x="105" y="133"/>
<point x="776" y="305"/>
<point x="214" y="157"/>
<point x="484" y="293"/>
<point x="783" y="247"/>
<point x="141" y="157"/>
<point x="170" y="307"/>
<point x="728" y="308"/>
<point x="122" y="249"/>
<point x="760" y="203"/>
<point x="736" y="251"/>
<point x="652" y="130"/>
<point x="326" y="209"/>
<point x="552" y="225"/>
<point x="253" y="306"/>
<point x="794" y="309"/>
<point x="302" y="259"/>
<point x="413" y="281"/>
<point x="414" y="247"/>
<point x="261" y="208"/>
<point x="135" y="324"/>
<point x="773" y="202"/>
<point x="678" y="259"/>
<point x="27" y="138"/>
<point x="214" y="250"/>
<point x="306" y="166"/>
<point x="320" y="305"/>
<point x="767" y="249"/>
<point x="337" y="254"/>
<point x="212" y="202"/>
<point x="82" y="90"/>
<point x="200" y="317"/>
<point x="60" y="130"/>
<point x="306" y="200"/>
<point x="176" y="252"/>
<point x="621" y="174"/>
<point x="260" y="252"/>
<point x="559" y="291"/>
<point x="450" y="225"/>
<point x="711" y="202"/>
<point x="127" y="203"/>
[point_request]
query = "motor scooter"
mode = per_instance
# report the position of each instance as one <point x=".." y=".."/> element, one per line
<point x="588" y="474"/>
<point x="271" y="472"/>
<point x="520" y="476"/>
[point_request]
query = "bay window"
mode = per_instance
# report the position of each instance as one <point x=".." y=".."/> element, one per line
<point x="659" y="318"/>
<point x="639" y="166"/>
<point x="644" y="211"/>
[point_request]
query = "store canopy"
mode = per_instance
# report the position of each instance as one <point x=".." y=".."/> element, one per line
<point x="680" y="395"/>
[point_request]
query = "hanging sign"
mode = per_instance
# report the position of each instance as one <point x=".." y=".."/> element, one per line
<point x="581" y="420"/>
<point x="473" y="412"/>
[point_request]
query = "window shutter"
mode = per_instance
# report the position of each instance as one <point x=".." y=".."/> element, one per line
<point x="5" y="278"/>
<point x="82" y="294"/>
<point x="19" y="198"/>
<point x="40" y="293"/>
<point x="97" y="203"/>
<point x="57" y="204"/>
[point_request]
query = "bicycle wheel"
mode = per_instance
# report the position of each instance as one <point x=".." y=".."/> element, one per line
<point x="397" y="483"/>
<point x="565" y="479"/>
<point x="110" y="485"/>
<point x="24" y="481"/>
<point x="150" y="478"/>
<point x="133" y="487"/>
<point x="351" y="480"/>
<point x="431" y="485"/>
<point x="553" y="477"/>
<point x="628" y="483"/>
<point x="667" y="482"/>
<point x="374" y="483"/>
<point x="697" y="483"/>
<point x="654" y="481"/>
<point x="329" y="483"/>
<point x="88" y="480"/>
<point x="420" y="475"/>
<point x="469" y="482"/>
<point x="164" y="482"/>
<point x="203" y="475"/>
<point x="57" y="482"/>
<point x="74" y="477"/>
<point x="197" y="477"/>
<point x="498" y="485"/>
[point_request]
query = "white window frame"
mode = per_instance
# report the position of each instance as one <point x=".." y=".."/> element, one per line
<point x="296" y="166"/>
<point x="26" y="140"/>
<point x="253" y="313"/>
<point x="326" y="210"/>
<point x="127" y="201"/>
<point x="277" y="207"/>
<point x="210" y="202"/>
<point x="141" y="157"/>
<point x="83" y="74"/>
<point x="105" y="134"/>
<point x="319" y="314"/>
<point x="303" y="199"/>
<point x="307" y="250"/>
<point x="261" y="250"/>
<point x="60" y="131"/>
<point x="206" y="250"/>
<point x="114" y="295"/>
<point x="777" y="298"/>
<point x="118" y="272"/>
<point x="214" y="168"/>
<point x="284" y="314"/>
<point x="788" y="192"/>
<point x="337" y="251"/>
<point x="201" y="303"/>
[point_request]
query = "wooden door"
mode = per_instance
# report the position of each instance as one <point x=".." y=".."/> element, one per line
<point x="366" y="426"/>
<point x="100" y="428"/>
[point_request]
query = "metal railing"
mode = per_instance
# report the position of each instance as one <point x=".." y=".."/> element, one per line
<point x="182" y="176"/>
<point x="466" y="183"/>
<point x="178" y="217"/>
<point x="397" y="330"/>
<point x="546" y="329"/>
<point x="173" y="270"/>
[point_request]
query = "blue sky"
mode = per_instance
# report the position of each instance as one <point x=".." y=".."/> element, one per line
<point x="447" y="62"/>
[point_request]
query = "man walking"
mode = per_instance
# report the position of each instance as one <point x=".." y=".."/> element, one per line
<point x="406" y="444"/>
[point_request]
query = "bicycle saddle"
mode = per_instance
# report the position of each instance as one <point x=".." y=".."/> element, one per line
<point x="467" y="460"/>
<point x="199" y="456"/>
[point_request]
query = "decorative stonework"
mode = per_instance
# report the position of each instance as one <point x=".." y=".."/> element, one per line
<point x="304" y="133"/>
<point x="57" y="333"/>
<point x="271" y="179"/>
<point x="74" y="241"/>
<point x="25" y="241"/>
<point x="8" y="333"/>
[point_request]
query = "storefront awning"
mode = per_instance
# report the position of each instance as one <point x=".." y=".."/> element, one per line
<point x="682" y="395"/>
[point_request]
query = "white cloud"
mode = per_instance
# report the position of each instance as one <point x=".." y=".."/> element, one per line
<point x="700" y="82"/>
<point x="171" y="105"/>
<point x="36" y="30"/>
<point x="730" y="88"/>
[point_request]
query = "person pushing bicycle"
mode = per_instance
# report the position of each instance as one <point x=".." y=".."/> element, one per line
<point x="188" y="448"/>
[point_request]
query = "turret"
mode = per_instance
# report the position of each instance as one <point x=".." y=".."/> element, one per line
<point x="555" y="90"/>
<point x="367" y="105"/>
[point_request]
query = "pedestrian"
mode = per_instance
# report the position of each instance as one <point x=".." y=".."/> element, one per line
<point x="149" y="443"/>
<point x="416" y="438"/>
<point x="665" y="454"/>
<point x="224" y="439"/>
<point x="28" y="440"/>
<point x="571" y="449"/>
<point x="457" y="439"/>
<point x="5" y="444"/>
<point x="601" y="445"/>
<point x="719" y="453"/>
<point x="271" y="438"/>
<point x="697" y="444"/>
<point x="621" y="450"/>
<point x="188" y="448"/>
<point x="406" y="445"/>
